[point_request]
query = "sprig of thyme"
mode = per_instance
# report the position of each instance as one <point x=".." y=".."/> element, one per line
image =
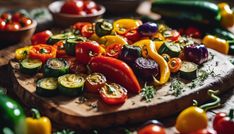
<point x="65" y="131"/>
<point x="148" y="93"/>
<point x="176" y="87"/>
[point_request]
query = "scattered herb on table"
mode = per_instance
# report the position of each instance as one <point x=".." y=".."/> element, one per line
<point x="148" y="93"/>
<point x="65" y="131"/>
<point x="176" y="87"/>
<point x="92" y="106"/>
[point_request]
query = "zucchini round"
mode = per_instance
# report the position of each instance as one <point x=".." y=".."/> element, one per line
<point x="47" y="87"/>
<point x="58" y="37"/>
<point x="71" y="84"/>
<point x="30" y="66"/>
<point x="188" y="70"/>
<point x="71" y="44"/>
<point x="170" y="48"/>
<point x="55" y="67"/>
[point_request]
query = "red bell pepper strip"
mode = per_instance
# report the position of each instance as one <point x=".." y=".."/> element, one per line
<point x="117" y="71"/>
<point x="42" y="52"/>
<point x="114" y="50"/>
<point x="61" y="52"/>
<point x="41" y="37"/>
<point x="86" y="50"/>
<point x="223" y="123"/>
<point x="87" y="30"/>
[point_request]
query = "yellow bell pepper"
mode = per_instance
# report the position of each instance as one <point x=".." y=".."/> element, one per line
<point x="38" y="124"/>
<point x="22" y="53"/>
<point x="95" y="37"/>
<point x="149" y="50"/>
<point x="158" y="44"/>
<point x="111" y="39"/>
<point x="227" y="16"/>
<point x="216" y="43"/>
<point x="121" y="26"/>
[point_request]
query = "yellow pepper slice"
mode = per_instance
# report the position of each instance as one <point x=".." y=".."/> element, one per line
<point x="22" y="53"/>
<point x="121" y="26"/>
<point x="149" y="49"/>
<point x="111" y="39"/>
<point x="227" y="16"/>
<point x="38" y="124"/>
<point x="95" y="37"/>
<point x="216" y="43"/>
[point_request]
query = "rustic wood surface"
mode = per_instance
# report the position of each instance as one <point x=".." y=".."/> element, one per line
<point x="7" y="53"/>
<point x="75" y="114"/>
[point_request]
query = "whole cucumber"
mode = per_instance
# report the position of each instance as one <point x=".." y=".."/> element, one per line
<point x="199" y="11"/>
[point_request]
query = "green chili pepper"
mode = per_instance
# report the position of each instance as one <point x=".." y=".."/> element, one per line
<point x="103" y="27"/>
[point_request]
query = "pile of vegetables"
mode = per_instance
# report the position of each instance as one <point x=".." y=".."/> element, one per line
<point x="109" y="58"/>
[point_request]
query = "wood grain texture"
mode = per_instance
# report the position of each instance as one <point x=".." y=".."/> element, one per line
<point x="68" y="111"/>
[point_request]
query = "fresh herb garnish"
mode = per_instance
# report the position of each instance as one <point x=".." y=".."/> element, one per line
<point x="148" y="93"/>
<point x="126" y="131"/>
<point x="176" y="87"/>
<point x="65" y="131"/>
<point x="110" y="90"/>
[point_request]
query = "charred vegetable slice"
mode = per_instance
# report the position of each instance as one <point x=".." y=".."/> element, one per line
<point x="174" y="64"/>
<point x="146" y="68"/>
<point x="188" y="70"/>
<point x="170" y="48"/>
<point x="94" y="82"/>
<point x="47" y="87"/>
<point x="30" y="66"/>
<point x="58" y="37"/>
<point x="71" y="44"/>
<point x="71" y="84"/>
<point x="103" y="27"/>
<point x="56" y="67"/>
<point x="129" y="54"/>
<point x="113" y="94"/>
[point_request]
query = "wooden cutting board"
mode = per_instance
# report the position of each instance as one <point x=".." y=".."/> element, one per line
<point x="89" y="111"/>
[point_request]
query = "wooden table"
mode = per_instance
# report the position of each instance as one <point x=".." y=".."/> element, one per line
<point x="7" y="53"/>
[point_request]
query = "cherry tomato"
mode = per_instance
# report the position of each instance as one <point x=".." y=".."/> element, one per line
<point x="79" y="25"/>
<point x="171" y="35"/>
<point x="218" y="116"/>
<point x="92" y="11"/>
<point x="132" y="35"/>
<point x="16" y="16"/>
<point x="114" y="50"/>
<point x="41" y="37"/>
<point x="152" y="129"/>
<point x="6" y="16"/>
<point x="13" y="26"/>
<point x="224" y="124"/>
<point x="94" y="82"/>
<point x="24" y="21"/>
<point x="72" y="7"/>
<point x="193" y="32"/>
<point x="88" y="5"/>
<point x="87" y="30"/>
<point x="113" y="94"/>
<point x="204" y="131"/>
<point x="2" y="24"/>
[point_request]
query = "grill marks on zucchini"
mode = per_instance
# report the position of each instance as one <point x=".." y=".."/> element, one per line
<point x="56" y="67"/>
<point x="170" y="48"/>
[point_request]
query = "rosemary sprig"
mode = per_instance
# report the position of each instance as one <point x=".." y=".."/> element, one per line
<point x="65" y="131"/>
<point x="176" y="87"/>
<point x="148" y="93"/>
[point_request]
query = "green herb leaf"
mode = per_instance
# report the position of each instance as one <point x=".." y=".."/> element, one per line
<point x="126" y="131"/>
<point x="176" y="87"/>
<point x="148" y="93"/>
<point x="65" y="131"/>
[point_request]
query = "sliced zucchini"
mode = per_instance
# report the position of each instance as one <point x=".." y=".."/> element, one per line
<point x="71" y="43"/>
<point x="47" y="87"/>
<point x="188" y="70"/>
<point x="55" y="67"/>
<point x="58" y="37"/>
<point x="30" y="66"/>
<point x="170" y="48"/>
<point x="71" y="84"/>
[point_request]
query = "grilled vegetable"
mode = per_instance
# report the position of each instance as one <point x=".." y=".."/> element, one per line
<point x="198" y="11"/>
<point x="12" y="116"/>
<point x="112" y="39"/>
<point x="103" y="27"/>
<point x="174" y="64"/>
<point x="196" y="53"/>
<point x="30" y="66"/>
<point x="129" y="54"/>
<point x="121" y="26"/>
<point x="114" y="50"/>
<point x="41" y="37"/>
<point x="55" y="67"/>
<point x="152" y="127"/>
<point x="22" y="53"/>
<point x="188" y="70"/>
<point x="215" y="43"/>
<point x="227" y="17"/>
<point x="113" y="94"/>
<point x="194" y="118"/>
<point x="146" y="68"/>
<point x="70" y="45"/>
<point x="171" y="35"/>
<point x="42" y="52"/>
<point x="47" y="87"/>
<point x="87" y="30"/>
<point x="58" y="37"/>
<point x="94" y="82"/>
<point x="115" y="70"/>
<point x="71" y="84"/>
<point x="148" y="29"/>
<point x="170" y="48"/>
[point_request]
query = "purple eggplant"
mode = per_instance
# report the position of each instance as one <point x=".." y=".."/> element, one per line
<point x="146" y="68"/>
<point x="196" y="53"/>
<point x="148" y="29"/>
<point x="129" y="54"/>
